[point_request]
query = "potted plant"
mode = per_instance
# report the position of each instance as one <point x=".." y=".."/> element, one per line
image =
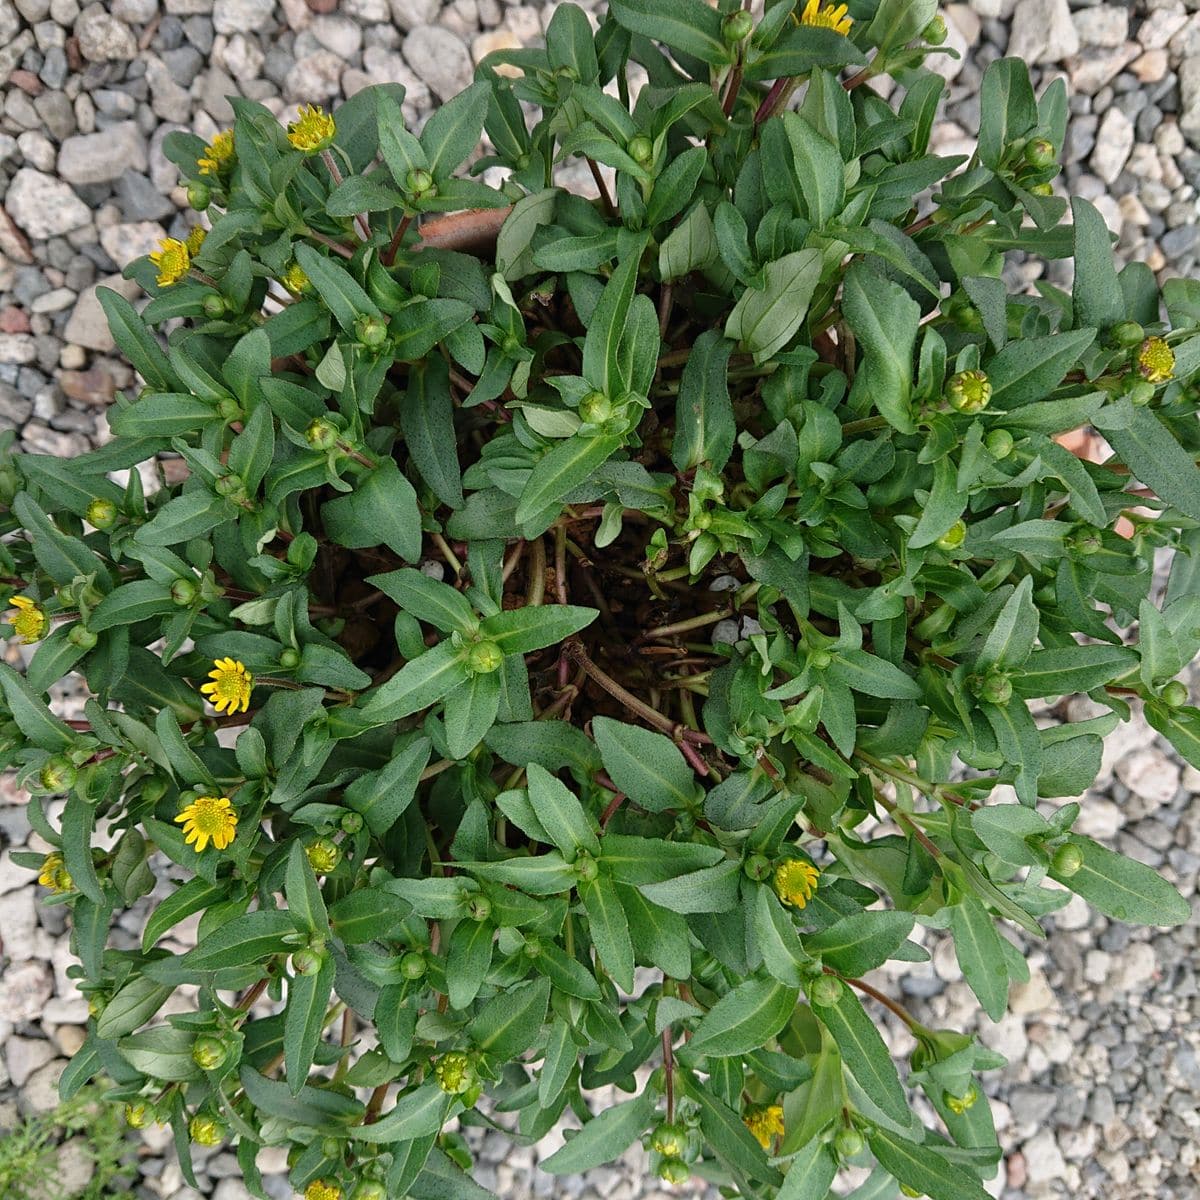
<point x="579" y="638"/>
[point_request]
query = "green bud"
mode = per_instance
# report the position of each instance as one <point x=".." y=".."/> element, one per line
<point x="323" y="855"/>
<point x="1087" y="542"/>
<point x="1126" y="335"/>
<point x="206" y="1130"/>
<point x="641" y="149"/>
<point x="184" y="592"/>
<point x="993" y="688"/>
<point x="229" y="409"/>
<point x="82" y="637"/>
<point x="826" y="991"/>
<point x="418" y="181"/>
<point x="533" y="946"/>
<point x="351" y="822"/>
<point x="289" y="659"/>
<point x="214" y="306"/>
<point x="307" y="962"/>
<point x="737" y="27"/>
<point x="154" y="789"/>
<point x="209" y="1053"/>
<point x="960" y="1104"/>
<point x="1067" y="860"/>
<point x="369" y="1189"/>
<point x="479" y="908"/>
<point x="999" y="443"/>
<point x="199" y="196"/>
<point x="58" y="774"/>
<point x="757" y="867"/>
<point x="511" y="345"/>
<point x="586" y="867"/>
<point x="595" y="408"/>
<point x="321" y="434"/>
<point x="1040" y="153"/>
<point x="674" y="1170"/>
<point x="484" y="657"/>
<point x="669" y="1140"/>
<point x="231" y="486"/>
<point x="819" y="660"/>
<point x="455" y="1073"/>
<point x="954" y="537"/>
<point x="413" y="965"/>
<point x="1139" y="391"/>
<point x="1174" y="694"/>
<point x="848" y="1144"/>
<point x="101" y="514"/>
<point x="969" y="392"/>
<point x="371" y="332"/>
<point x="935" y="33"/>
<point x="331" y="1148"/>
<point x="137" y="1114"/>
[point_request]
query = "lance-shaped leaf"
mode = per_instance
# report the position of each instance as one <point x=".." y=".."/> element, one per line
<point x="303" y="1020"/>
<point x="1122" y="888"/>
<point x="603" y="1138"/>
<point x="745" y="1018"/>
<point x="418" y="684"/>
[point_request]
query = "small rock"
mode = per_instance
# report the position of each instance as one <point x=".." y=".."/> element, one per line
<point x="340" y="35"/>
<point x="24" y="989"/>
<point x="87" y="325"/>
<point x="24" y="1055"/>
<point x="44" y="206"/>
<point x="315" y="78"/>
<point x="17" y="348"/>
<point x="134" y="12"/>
<point x="1104" y="25"/>
<point x="76" y="1165"/>
<point x="441" y="59"/>
<point x="493" y="40"/>
<point x="18" y="920"/>
<point x="408" y="14"/>
<point x="1035" y="996"/>
<point x="1114" y="141"/>
<point x="140" y="200"/>
<point x="1043" y="31"/>
<point x="40" y="1093"/>
<point x="1043" y="1160"/>
<point x="93" y="386"/>
<point x="1151" y="66"/>
<point x="1189" y="92"/>
<point x="124" y="243"/>
<point x="69" y="1039"/>
<point x="242" y="16"/>
<point x="103" y="156"/>
<point x="102" y="38"/>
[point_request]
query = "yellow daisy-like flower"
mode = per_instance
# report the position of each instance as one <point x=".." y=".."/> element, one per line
<point x="320" y="1190"/>
<point x="795" y="881"/>
<point x="208" y="818"/>
<point x="217" y="154"/>
<point x="195" y="239"/>
<point x="173" y="260"/>
<point x="30" y="621"/>
<point x="826" y="16"/>
<point x="296" y="280"/>
<point x="765" y="1121"/>
<point x="1155" y="360"/>
<point x="230" y="688"/>
<point x="54" y="875"/>
<point x="313" y="131"/>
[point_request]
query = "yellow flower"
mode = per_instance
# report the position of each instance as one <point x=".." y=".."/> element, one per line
<point x="206" y="1130"/>
<point x="230" y="687"/>
<point x="54" y="874"/>
<point x="795" y="881"/>
<point x="295" y="280"/>
<point x="30" y="621"/>
<point x="208" y="817"/>
<point x="1155" y="360"/>
<point x="195" y="239"/>
<point x="765" y="1121"/>
<point x="826" y="16"/>
<point x="320" y="1190"/>
<point x="172" y="259"/>
<point x="313" y="131"/>
<point x="216" y="154"/>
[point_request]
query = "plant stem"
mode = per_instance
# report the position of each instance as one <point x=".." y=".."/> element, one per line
<point x="389" y="255"/>
<point x="605" y="198"/>
<point x="875" y="994"/>
<point x="335" y="174"/>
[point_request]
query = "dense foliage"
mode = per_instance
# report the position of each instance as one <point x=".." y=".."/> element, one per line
<point x="575" y="643"/>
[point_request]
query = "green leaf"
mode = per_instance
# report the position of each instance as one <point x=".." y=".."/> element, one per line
<point x="819" y="169"/>
<point x="165" y="414"/>
<point x="601" y="364"/>
<point x="874" y="676"/>
<point x="783" y="955"/>
<point x="567" y="466"/>
<point x="980" y="955"/>
<point x="416" y="328"/>
<point x="427" y="599"/>
<point x="367" y="915"/>
<point x="453" y="130"/>
<point x="523" y="630"/>
<point x="163" y="1053"/>
<point x="1181" y="727"/>
<point x="865" y="1054"/>
<point x="884" y="318"/>
<point x="136" y="342"/>
<point x="860" y="942"/>
<point x="381" y="511"/>
<point x="944" y="505"/>
<point x="1156" y="459"/>
<point x="1008" y="108"/>
<point x="764" y="321"/>
<point x="468" y="960"/>
<point x="810" y="1174"/>
<point x="726" y="1133"/>
<point x="380" y="797"/>
<point x="470" y="711"/>
<point x="192" y="897"/>
<point x="185" y="517"/>
<point x="1010" y="640"/>
<point x="511" y="1022"/>
<point x="1122" y="888"/>
<point x="675" y="187"/>
<point x="709" y="890"/>
<point x="1064" y="670"/>
<point x="415" y="1115"/>
<point x="560" y="814"/>
<point x="923" y="1168"/>
<point x="646" y="766"/>
<point x="603" y="1138"/>
<point x="133" y="1005"/>
<point x="689" y="26"/>
<point x="245" y="939"/>
<point x="314" y="1107"/>
<point x="609" y="929"/>
<point x="78" y="828"/>
<point x="338" y="289"/>
<point x="32" y="716"/>
<point x="303" y="1020"/>
<point x="427" y="421"/>
<point x="418" y="684"/>
<point x="801" y="48"/>
<point x="560" y="1059"/>
<point x="704" y="424"/>
<point x="1029" y="369"/>
<point x="131" y="603"/>
<point x="1096" y="292"/>
<point x="745" y="1018"/>
<point x="303" y="893"/>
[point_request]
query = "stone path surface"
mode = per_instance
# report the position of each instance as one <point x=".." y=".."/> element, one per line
<point x="1102" y="1094"/>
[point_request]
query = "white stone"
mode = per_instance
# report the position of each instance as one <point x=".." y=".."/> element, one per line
<point x="75" y="1165"/>
<point x="87" y="325"/>
<point x="1006" y="1037"/>
<point x="43" y="206"/>
<point x="135" y="12"/>
<point x="17" y="348"/>
<point x="24" y="989"/>
<point x="340" y="35"/>
<point x="18" y="920"/>
<point x="1088" y="73"/>
<point x="1042" y="31"/>
<point x="242" y="16"/>
<point x="102" y="38"/>
<point x="1135" y="967"/>
<point x="1043" y="1159"/>
<point x="124" y="243"/>
<point x="24" y="1055"/>
<point x="440" y="59"/>
<point x="1150" y="774"/>
<point x="1160" y="26"/>
<point x="1104" y="25"/>
<point x="1096" y="966"/>
<point x="40" y="1093"/>
<point x="1035" y="996"/>
<point x="408" y="14"/>
<point x="103" y="156"/>
<point x="1189" y="90"/>
<point x="1114" y="141"/>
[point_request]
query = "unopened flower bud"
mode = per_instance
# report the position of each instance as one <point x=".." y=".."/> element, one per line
<point x="413" y="965"/>
<point x="969" y="391"/>
<point x="455" y="1073"/>
<point x="369" y="1189"/>
<point x="214" y="306"/>
<point x="231" y="486"/>
<point x="641" y="149"/>
<point x="101" y="514"/>
<point x="586" y="868"/>
<point x="993" y="688"/>
<point x="669" y="1140"/>
<point x="826" y="991"/>
<point x="351" y="822"/>
<point x="137" y="1114"/>
<point x="58" y="774"/>
<point x="289" y="658"/>
<point x="1040" y="153"/>
<point x="848" y="1144"/>
<point x="674" y="1170"/>
<point x="206" y="1130"/>
<point x="321" y="434"/>
<point x="1067" y="860"/>
<point x="209" y="1053"/>
<point x="82" y="637"/>
<point x="960" y="1104"/>
<point x="1126" y="334"/>
<point x="1041" y="189"/>
<point x="757" y="867"/>
<point x="199" y="196"/>
<point x="479" y="908"/>
<point x="737" y="27"/>
<point x="184" y="592"/>
<point x="1174" y="694"/>
<point x="999" y="443"/>
<point x="484" y="657"/>
<point x="323" y="855"/>
<point x="418" y="181"/>
<point x="595" y="408"/>
<point x="307" y="962"/>
<point x="371" y="332"/>
<point x="935" y="33"/>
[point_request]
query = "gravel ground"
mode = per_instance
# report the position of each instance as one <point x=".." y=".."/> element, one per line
<point x="1102" y="1094"/>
